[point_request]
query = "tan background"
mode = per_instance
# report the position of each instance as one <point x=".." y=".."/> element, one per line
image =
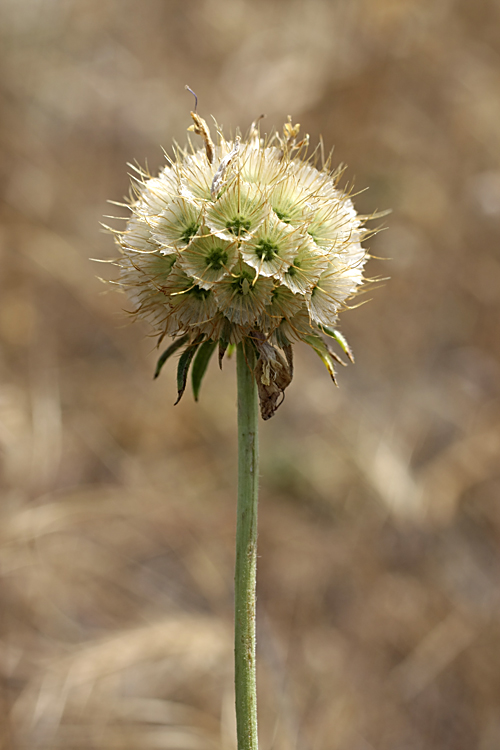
<point x="379" y="573"/>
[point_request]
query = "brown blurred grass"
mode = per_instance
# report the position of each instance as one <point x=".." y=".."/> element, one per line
<point x="380" y="523"/>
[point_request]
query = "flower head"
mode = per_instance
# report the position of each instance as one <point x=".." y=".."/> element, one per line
<point x="243" y="240"/>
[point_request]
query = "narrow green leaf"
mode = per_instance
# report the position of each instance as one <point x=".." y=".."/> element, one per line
<point x="321" y="350"/>
<point x="224" y="341"/>
<point x="200" y="365"/>
<point x="335" y="355"/>
<point x="168" y="353"/>
<point x="339" y="338"/>
<point x="183" y="368"/>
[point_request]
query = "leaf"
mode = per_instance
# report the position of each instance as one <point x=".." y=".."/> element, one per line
<point x="321" y="350"/>
<point x="183" y="368"/>
<point x="339" y="338"/>
<point x="222" y="350"/>
<point x="224" y="342"/>
<point x="272" y="373"/>
<point x="225" y="346"/>
<point x="200" y="365"/>
<point x="335" y="355"/>
<point x="168" y="353"/>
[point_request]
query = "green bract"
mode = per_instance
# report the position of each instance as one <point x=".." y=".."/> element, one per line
<point x="243" y="240"/>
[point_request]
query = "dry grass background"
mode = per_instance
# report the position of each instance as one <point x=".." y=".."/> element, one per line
<point x="379" y="575"/>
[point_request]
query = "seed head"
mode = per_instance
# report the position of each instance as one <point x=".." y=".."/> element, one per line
<point x="243" y="240"/>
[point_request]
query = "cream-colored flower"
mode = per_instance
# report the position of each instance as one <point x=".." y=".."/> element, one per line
<point x="261" y="166"/>
<point x="155" y="193"/>
<point x="195" y="175"/>
<point x="243" y="295"/>
<point x="177" y="224"/>
<point x="284" y="305"/>
<point x="243" y="239"/>
<point x="272" y="247"/>
<point x="306" y="268"/>
<point x="208" y="259"/>
<point x="291" y="202"/>
<point x="191" y="304"/>
<point x="331" y="290"/>
<point x="238" y="212"/>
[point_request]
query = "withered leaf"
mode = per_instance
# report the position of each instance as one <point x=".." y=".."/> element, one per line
<point x="273" y="374"/>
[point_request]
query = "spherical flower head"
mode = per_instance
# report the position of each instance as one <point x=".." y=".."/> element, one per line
<point x="243" y="240"/>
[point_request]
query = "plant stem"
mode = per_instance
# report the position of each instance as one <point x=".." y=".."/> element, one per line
<point x="246" y="550"/>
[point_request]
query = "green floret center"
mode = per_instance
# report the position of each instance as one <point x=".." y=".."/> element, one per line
<point x="243" y="283"/>
<point x="276" y="294"/>
<point x="285" y="216"/>
<point x="266" y="250"/>
<point x="198" y="293"/>
<point x="238" y="223"/>
<point x="216" y="258"/>
<point x="189" y="232"/>
<point x="293" y="269"/>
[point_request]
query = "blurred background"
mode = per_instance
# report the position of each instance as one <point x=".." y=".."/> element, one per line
<point x="379" y="569"/>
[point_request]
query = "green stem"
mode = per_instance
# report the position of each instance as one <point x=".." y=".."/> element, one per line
<point x="246" y="550"/>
